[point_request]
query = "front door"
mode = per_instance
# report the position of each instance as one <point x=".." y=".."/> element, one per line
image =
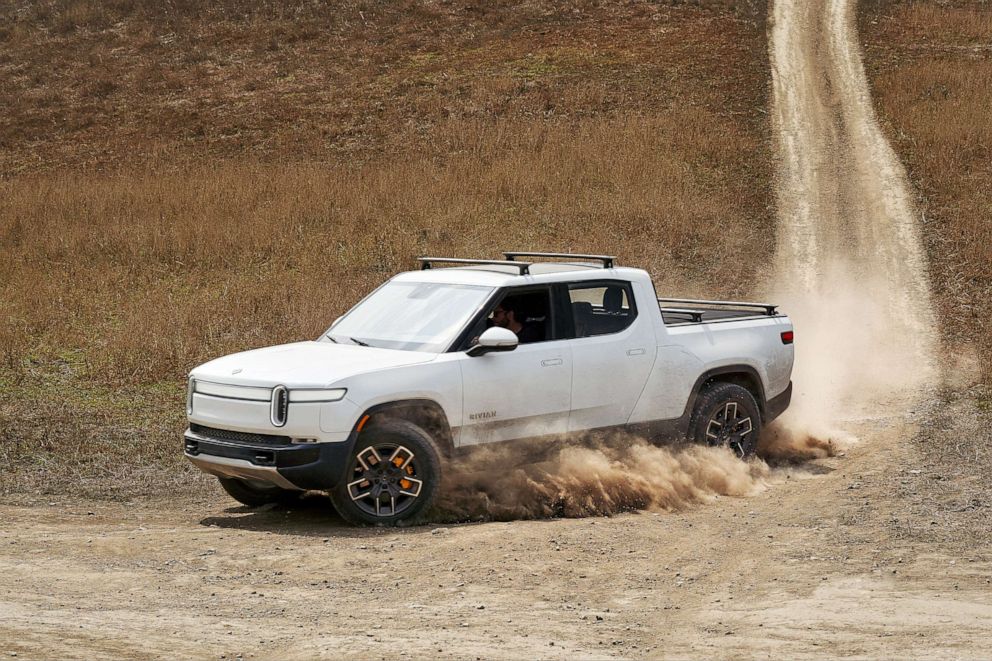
<point x="518" y="394"/>
<point x="521" y="393"/>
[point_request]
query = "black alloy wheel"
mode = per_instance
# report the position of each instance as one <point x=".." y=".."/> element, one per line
<point x="392" y="476"/>
<point x="727" y="415"/>
<point x="386" y="482"/>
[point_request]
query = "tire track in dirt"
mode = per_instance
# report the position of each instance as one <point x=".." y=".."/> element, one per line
<point x="850" y="267"/>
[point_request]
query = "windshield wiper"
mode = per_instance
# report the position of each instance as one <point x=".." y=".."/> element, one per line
<point x="359" y="342"/>
<point x="328" y="336"/>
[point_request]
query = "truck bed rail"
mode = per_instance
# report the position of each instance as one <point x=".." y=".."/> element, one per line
<point x="768" y="308"/>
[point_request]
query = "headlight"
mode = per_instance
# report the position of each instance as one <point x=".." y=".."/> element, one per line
<point x="190" y="386"/>
<point x="296" y="396"/>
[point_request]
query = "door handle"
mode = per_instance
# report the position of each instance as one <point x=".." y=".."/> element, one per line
<point x="551" y="362"/>
<point x="635" y="352"/>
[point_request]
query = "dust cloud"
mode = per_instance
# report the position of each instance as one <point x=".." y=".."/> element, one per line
<point x="860" y="353"/>
<point x="850" y="268"/>
<point x="785" y="444"/>
<point x="604" y="479"/>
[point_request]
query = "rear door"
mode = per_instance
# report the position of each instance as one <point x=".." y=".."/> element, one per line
<point x="521" y="393"/>
<point x="612" y="353"/>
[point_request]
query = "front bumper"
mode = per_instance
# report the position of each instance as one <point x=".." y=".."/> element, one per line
<point x="304" y="466"/>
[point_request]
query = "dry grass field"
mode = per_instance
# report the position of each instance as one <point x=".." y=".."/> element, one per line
<point x="179" y="181"/>
<point x="930" y="66"/>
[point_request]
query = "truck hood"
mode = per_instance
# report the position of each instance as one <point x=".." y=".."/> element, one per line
<point x="304" y="364"/>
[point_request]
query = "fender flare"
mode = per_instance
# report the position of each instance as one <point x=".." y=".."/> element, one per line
<point x="742" y="374"/>
<point x="424" y="412"/>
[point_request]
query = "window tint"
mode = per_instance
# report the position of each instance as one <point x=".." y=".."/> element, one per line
<point x="526" y="313"/>
<point x="601" y="308"/>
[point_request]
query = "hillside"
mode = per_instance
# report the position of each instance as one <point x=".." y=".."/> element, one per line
<point x="102" y="84"/>
<point x="180" y="182"/>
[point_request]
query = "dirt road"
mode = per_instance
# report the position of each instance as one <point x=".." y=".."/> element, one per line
<point x="854" y="555"/>
<point x="850" y="265"/>
<point x="835" y="558"/>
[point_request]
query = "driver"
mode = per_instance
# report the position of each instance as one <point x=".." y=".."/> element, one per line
<point x="509" y="315"/>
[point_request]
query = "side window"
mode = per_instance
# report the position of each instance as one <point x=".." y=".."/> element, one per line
<point x="527" y="313"/>
<point x="601" y="308"/>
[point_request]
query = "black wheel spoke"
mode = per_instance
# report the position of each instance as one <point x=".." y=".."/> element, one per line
<point x="360" y="488"/>
<point x="368" y="458"/>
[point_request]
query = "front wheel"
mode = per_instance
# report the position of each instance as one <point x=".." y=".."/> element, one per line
<point x="256" y="494"/>
<point x="393" y="475"/>
<point x="727" y="415"/>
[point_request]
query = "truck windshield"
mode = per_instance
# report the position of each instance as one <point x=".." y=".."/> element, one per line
<point x="413" y="316"/>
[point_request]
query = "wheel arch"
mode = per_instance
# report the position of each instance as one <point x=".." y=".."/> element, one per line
<point x="745" y="376"/>
<point x="425" y="413"/>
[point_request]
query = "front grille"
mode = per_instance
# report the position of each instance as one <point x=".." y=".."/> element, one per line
<point x="239" y="436"/>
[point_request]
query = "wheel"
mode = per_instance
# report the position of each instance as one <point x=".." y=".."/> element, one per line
<point x="393" y="475"/>
<point x="254" y="494"/>
<point x="727" y="415"/>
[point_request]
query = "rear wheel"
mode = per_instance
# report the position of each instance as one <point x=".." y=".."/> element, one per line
<point x="393" y="475"/>
<point x="255" y="494"/>
<point x="727" y="415"/>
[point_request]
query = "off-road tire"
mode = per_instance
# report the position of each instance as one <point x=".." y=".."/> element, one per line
<point x="353" y="496"/>
<point x="256" y="494"/>
<point x="722" y="413"/>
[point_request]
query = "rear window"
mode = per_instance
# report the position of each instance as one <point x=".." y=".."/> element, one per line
<point x="601" y="308"/>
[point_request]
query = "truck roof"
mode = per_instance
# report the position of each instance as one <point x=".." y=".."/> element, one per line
<point x="500" y="275"/>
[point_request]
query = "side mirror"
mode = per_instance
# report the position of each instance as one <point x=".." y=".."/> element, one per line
<point x="494" y="339"/>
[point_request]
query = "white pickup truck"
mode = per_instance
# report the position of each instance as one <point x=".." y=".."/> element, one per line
<point x="439" y="360"/>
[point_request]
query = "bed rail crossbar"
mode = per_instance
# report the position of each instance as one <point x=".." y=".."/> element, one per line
<point x="694" y="315"/>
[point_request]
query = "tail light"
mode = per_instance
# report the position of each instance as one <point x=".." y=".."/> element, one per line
<point x="788" y="337"/>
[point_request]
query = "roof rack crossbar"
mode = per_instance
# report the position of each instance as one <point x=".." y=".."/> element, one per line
<point x="607" y="260"/>
<point x="426" y="262"/>
<point x="769" y="308"/>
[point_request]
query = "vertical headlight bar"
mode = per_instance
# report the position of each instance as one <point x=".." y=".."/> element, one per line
<point x="280" y="406"/>
<point x="190" y="387"/>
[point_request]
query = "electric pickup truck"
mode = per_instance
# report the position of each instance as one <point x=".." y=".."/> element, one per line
<point x="437" y="361"/>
